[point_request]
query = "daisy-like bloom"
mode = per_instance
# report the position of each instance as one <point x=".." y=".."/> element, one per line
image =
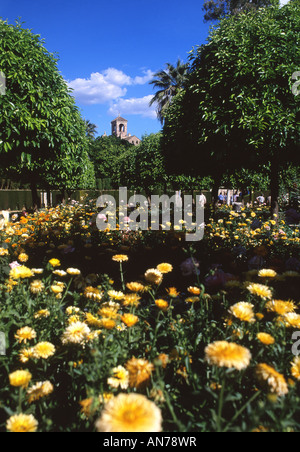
<point x="76" y="333"/>
<point x="243" y="311"/>
<point x="3" y="252"/>
<point x="108" y="324"/>
<point x="105" y="397"/>
<point x="130" y="413"/>
<point x="135" y="287"/>
<point x="37" y="271"/>
<point x="60" y="273"/>
<point x="20" y="272"/>
<point x="267" y="273"/>
<point x="73" y="271"/>
<point x="280" y="307"/>
<point x="39" y="390"/>
<point x="153" y="276"/>
<point x="265" y="338"/>
<point x="92" y="320"/>
<point x="115" y="295"/>
<point x="120" y="258"/>
<point x="25" y="334"/>
<point x="173" y="292"/>
<point x="26" y="354"/>
<point x="44" y="350"/>
<point x="20" y="378"/>
<point x="120" y="378"/>
<point x="269" y="377"/>
<point x="129" y="319"/>
<point x="54" y="262"/>
<point x="37" y="286"/>
<point x="227" y="354"/>
<point x="57" y="289"/>
<point x="162" y="304"/>
<point x="92" y="293"/>
<point x="42" y="313"/>
<point x="194" y="290"/>
<point x="20" y="423"/>
<point x="109" y="312"/>
<point x="23" y="257"/>
<point x="132" y="299"/>
<point x="164" y="268"/>
<point x="192" y="299"/>
<point x="291" y="319"/>
<point x="70" y="310"/>
<point x="261" y="291"/>
<point x="140" y="371"/>
<point x="295" y="369"/>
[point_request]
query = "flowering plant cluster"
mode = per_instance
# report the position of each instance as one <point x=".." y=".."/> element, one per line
<point x="196" y="342"/>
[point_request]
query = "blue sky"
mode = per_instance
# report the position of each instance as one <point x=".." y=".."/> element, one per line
<point x="109" y="50"/>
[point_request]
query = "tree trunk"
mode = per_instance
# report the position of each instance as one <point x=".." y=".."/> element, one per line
<point x="275" y="187"/>
<point x="36" y="202"/>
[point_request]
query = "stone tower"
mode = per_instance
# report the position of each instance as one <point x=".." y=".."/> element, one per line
<point x="119" y="127"/>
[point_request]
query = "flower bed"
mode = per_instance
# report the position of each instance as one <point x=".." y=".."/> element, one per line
<point x="121" y="331"/>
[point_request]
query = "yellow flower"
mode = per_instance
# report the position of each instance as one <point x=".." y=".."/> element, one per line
<point x="265" y="338"/>
<point x="120" y="378"/>
<point x="115" y="295"/>
<point x="3" y="252"/>
<point x="120" y="258"/>
<point x="162" y="304"/>
<point x="76" y="333"/>
<point x="130" y="413"/>
<point x="295" y="369"/>
<point x="135" y="287"/>
<point x="42" y="313"/>
<point x="20" y="272"/>
<point x="194" y="290"/>
<point x="73" y="271"/>
<point x="108" y="324"/>
<point x="266" y="273"/>
<point x="164" y="268"/>
<point x="226" y="354"/>
<point x="57" y="289"/>
<point x="39" y="390"/>
<point x="280" y="307"/>
<point x="153" y="276"/>
<point x="23" y="257"/>
<point x="54" y="262"/>
<point x="37" y="286"/>
<point x="20" y="423"/>
<point x="20" y="378"/>
<point x="129" y="319"/>
<point x="291" y="319"/>
<point x="92" y="293"/>
<point x="132" y="299"/>
<point x="173" y="292"/>
<point x="243" y="311"/>
<point x="269" y="377"/>
<point x="25" y="334"/>
<point x="44" y="350"/>
<point x="26" y="354"/>
<point x="260" y="290"/>
<point x="140" y="371"/>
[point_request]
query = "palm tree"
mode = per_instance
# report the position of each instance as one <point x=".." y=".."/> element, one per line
<point x="169" y="82"/>
<point x="90" y="129"/>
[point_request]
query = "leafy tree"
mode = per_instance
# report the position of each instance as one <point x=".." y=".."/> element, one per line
<point x="91" y="129"/>
<point x="218" y="9"/>
<point x="42" y="135"/>
<point x="238" y="109"/>
<point x="168" y="82"/>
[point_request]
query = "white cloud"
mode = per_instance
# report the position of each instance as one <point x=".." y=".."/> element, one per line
<point x="134" y="106"/>
<point x="105" y="86"/>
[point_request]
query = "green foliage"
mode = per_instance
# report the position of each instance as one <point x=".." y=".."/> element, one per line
<point x="42" y="135"/>
<point x="238" y="109"/>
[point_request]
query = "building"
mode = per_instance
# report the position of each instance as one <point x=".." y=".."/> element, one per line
<point x="119" y="129"/>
